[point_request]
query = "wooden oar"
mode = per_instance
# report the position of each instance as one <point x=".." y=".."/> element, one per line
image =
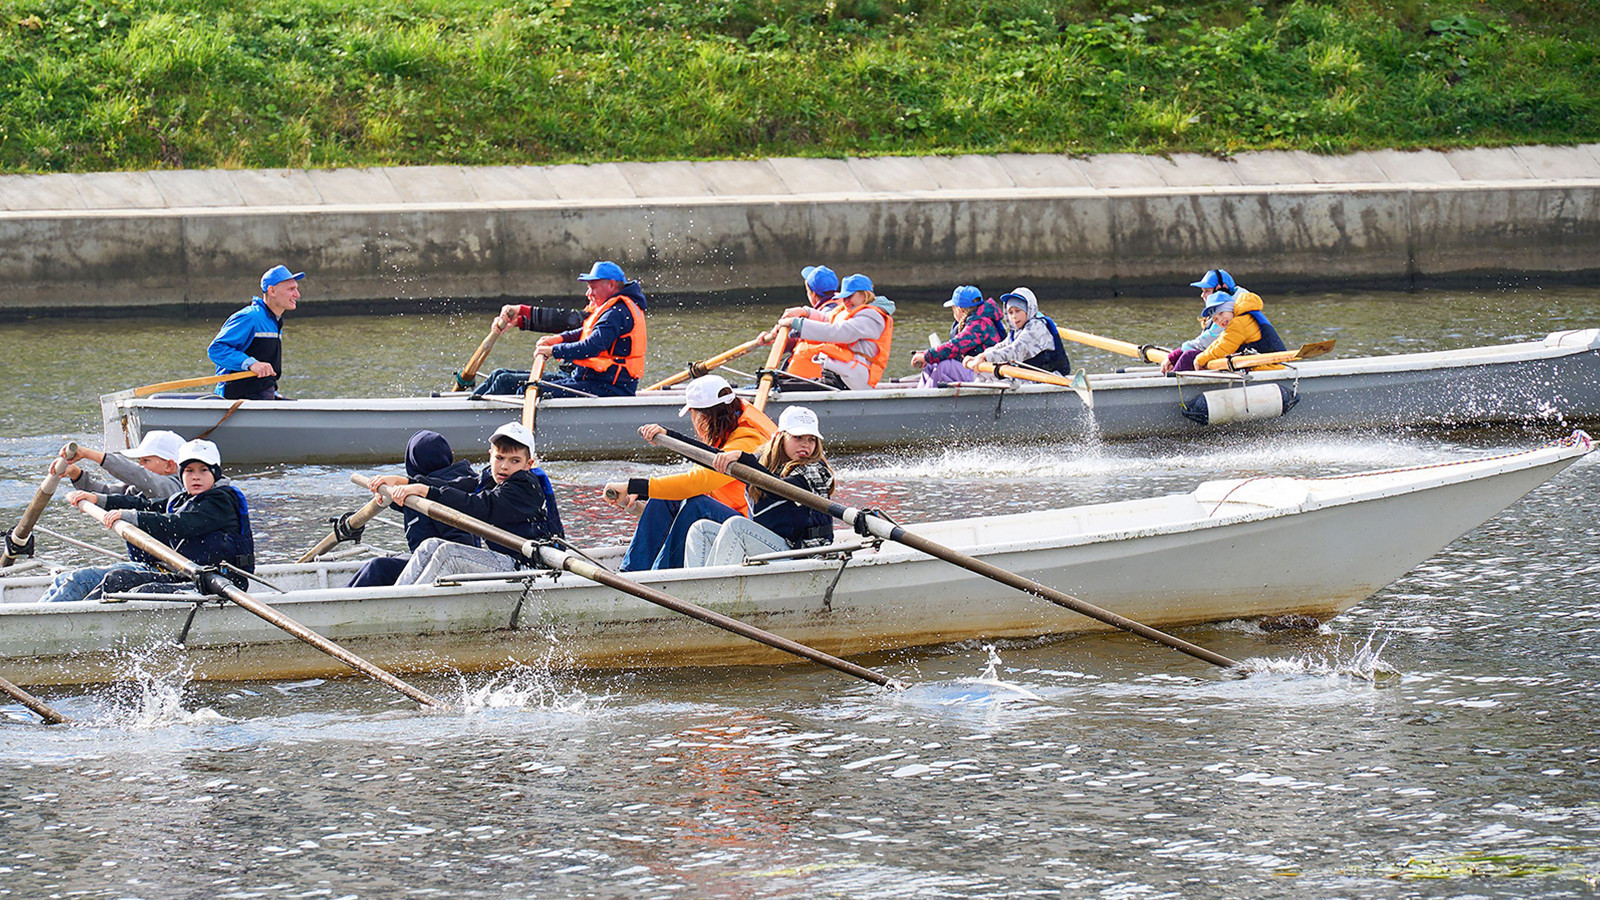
<point x="213" y="583"/>
<point x="42" y="709"/>
<point x="1079" y="382"/>
<point x="349" y="523"/>
<point x="469" y="372"/>
<point x="888" y="531"/>
<point x="768" y="376"/>
<point x="1146" y="352"/>
<point x="19" y="540"/>
<point x="530" y="394"/>
<point x="1251" y="360"/>
<point x="186" y="383"/>
<point x="577" y="565"/>
<point x="695" y="370"/>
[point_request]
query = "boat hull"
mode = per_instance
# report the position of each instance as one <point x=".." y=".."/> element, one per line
<point x="1316" y="547"/>
<point x="1556" y="380"/>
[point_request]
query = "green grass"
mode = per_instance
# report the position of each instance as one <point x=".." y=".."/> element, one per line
<point x="90" y="85"/>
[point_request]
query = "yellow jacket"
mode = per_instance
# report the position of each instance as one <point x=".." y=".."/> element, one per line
<point x="753" y="430"/>
<point x="1242" y="330"/>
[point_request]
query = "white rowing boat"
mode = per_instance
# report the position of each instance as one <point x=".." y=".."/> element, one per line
<point x="1554" y="380"/>
<point x="1250" y="548"/>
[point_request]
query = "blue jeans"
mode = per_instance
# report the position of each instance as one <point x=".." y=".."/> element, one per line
<point x="664" y="528"/>
<point x="76" y="584"/>
<point x="514" y="381"/>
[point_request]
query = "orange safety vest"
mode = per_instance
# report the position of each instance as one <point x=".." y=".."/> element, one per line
<point x="606" y="359"/>
<point x="803" y="362"/>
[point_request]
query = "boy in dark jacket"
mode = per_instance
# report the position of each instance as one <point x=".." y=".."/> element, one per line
<point x="511" y="493"/>
<point x="429" y="461"/>
<point x="208" y="522"/>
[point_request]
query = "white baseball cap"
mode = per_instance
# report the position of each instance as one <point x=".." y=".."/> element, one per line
<point x="201" y="451"/>
<point x="515" y="431"/>
<point x="164" y="444"/>
<point x="705" y="392"/>
<point x="797" y="420"/>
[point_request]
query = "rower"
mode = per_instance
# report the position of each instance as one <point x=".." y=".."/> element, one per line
<point x="606" y="351"/>
<point x="675" y="502"/>
<point x="208" y="522"/>
<point x="847" y="347"/>
<point x="1245" y="327"/>
<point x="1031" y="338"/>
<point x="150" y="469"/>
<point x="429" y="461"/>
<point x="977" y="327"/>
<point x="511" y="493"/>
<point x="793" y="454"/>
<point x="252" y="339"/>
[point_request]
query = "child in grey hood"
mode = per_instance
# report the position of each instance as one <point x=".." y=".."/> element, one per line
<point x="1031" y="338"/>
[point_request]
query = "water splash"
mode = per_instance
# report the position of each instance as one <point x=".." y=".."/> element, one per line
<point x="526" y="687"/>
<point x="985" y="689"/>
<point x="150" y="694"/>
<point x="1364" y="662"/>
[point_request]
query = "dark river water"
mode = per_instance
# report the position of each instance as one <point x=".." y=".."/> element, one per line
<point x="1439" y="740"/>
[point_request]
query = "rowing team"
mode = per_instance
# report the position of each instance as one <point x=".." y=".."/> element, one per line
<point x="175" y="491"/>
<point x="840" y="339"/>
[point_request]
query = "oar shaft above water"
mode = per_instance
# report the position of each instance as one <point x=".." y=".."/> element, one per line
<point x="39" y="707"/>
<point x="213" y="583"/>
<point x="891" y="532"/>
<point x="706" y="365"/>
<point x="17" y="539"/>
<point x="577" y="565"/>
<point x="356" y="521"/>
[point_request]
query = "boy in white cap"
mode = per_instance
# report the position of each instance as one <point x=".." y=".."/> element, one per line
<point x="252" y="338"/>
<point x="795" y="455"/>
<point x="512" y="493"/>
<point x="150" y="469"/>
<point x="208" y="522"/>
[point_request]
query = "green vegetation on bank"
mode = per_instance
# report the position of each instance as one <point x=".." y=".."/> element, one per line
<point x="90" y="85"/>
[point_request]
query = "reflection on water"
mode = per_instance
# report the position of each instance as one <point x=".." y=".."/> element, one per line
<point x="1437" y="740"/>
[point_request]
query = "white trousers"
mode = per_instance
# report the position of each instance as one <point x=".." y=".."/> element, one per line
<point x="435" y="558"/>
<point x="727" y="544"/>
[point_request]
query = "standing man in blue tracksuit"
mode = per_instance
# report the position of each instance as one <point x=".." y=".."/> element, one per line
<point x="252" y="339"/>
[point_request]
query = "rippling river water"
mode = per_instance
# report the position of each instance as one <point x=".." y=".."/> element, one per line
<point x="1438" y="740"/>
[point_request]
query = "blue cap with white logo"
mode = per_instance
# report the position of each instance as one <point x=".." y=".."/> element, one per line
<point x="604" y="270"/>
<point x="278" y="275"/>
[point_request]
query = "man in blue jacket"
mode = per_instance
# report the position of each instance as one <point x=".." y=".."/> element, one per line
<point x="252" y="339"/>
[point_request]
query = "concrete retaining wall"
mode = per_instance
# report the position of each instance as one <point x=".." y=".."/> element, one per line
<point x="1083" y="227"/>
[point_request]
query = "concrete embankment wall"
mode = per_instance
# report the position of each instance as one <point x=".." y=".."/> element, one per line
<point x="1088" y="227"/>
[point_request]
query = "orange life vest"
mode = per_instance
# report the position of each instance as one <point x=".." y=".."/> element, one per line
<point x="606" y="359"/>
<point x="803" y="362"/>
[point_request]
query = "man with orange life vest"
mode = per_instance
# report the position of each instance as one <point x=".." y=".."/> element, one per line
<point x="607" y="350"/>
<point x="848" y="344"/>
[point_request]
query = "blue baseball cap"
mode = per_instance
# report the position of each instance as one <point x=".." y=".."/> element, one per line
<point x="278" y="275"/>
<point x="821" y="279"/>
<point x="1215" y="278"/>
<point x="965" y="297"/>
<point x="1215" y="300"/>
<point x="856" y="282"/>
<point x="604" y="269"/>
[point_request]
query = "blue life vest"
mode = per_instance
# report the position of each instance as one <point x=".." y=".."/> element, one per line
<point x="1055" y="359"/>
<point x="1269" y="342"/>
<point x="213" y="547"/>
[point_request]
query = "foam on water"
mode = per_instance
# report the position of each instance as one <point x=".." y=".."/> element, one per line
<point x="525" y="687"/>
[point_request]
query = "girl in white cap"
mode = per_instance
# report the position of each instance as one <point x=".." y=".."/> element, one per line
<point x="674" y="502"/>
<point x="793" y="454"/>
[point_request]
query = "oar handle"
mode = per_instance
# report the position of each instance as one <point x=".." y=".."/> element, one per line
<point x="773" y="358"/>
<point x="577" y="565"/>
<point x="706" y="365"/>
<point x="470" y="370"/>
<point x="217" y="584"/>
<point x="530" y="394"/>
<point x="357" y="520"/>
<point x="16" y="542"/>
<point x="888" y="531"/>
